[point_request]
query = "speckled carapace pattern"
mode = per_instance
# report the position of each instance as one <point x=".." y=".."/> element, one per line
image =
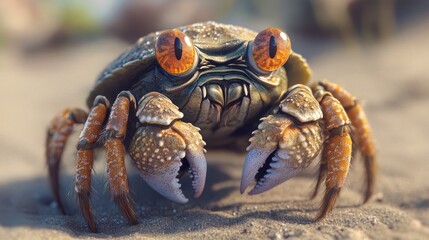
<point x="154" y="148"/>
<point x="301" y="104"/>
<point x="153" y="108"/>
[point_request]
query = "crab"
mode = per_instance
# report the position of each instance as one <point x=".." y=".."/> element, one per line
<point x="174" y="90"/>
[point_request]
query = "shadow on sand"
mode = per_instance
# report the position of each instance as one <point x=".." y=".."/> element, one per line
<point x="29" y="203"/>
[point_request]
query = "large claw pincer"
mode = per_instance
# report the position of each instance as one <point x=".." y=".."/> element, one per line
<point x="284" y="143"/>
<point x="165" y="148"/>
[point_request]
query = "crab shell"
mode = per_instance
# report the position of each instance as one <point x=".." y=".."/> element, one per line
<point x="137" y="70"/>
<point x="124" y="72"/>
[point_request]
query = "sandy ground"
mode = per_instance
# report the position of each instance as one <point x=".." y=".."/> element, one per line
<point x="391" y="79"/>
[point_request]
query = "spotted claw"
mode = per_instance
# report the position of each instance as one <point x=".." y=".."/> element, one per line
<point x="279" y="150"/>
<point x="167" y="148"/>
<point x="284" y="143"/>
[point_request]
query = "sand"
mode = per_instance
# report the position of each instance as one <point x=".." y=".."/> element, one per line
<point x="390" y="79"/>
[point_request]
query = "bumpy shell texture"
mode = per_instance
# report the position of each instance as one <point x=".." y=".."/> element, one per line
<point x="211" y="37"/>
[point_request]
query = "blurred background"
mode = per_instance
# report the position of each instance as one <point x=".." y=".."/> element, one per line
<point x="37" y="25"/>
<point x="51" y="52"/>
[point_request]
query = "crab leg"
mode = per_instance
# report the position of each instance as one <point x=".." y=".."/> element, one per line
<point x="85" y="156"/>
<point x="362" y="131"/>
<point x="321" y="176"/>
<point x="337" y="150"/>
<point x="117" y="176"/>
<point x="58" y="133"/>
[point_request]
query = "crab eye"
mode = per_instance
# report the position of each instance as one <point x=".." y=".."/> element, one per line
<point x="271" y="49"/>
<point x="175" y="52"/>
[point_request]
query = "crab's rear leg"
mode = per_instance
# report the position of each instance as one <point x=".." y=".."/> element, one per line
<point x="85" y="156"/>
<point x="362" y="133"/>
<point x="113" y="136"/>
<point x="337" y="149"/>
<point x="320" y="177"/>
<point x="58" y="132"/>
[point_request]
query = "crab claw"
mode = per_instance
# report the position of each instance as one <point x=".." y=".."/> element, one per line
<point x="163" y="155"/>
<point x="279" y="150"/>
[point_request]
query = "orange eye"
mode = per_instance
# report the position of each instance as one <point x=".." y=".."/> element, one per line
<point x="175" y="52"/>
<point x="271" y="49"/>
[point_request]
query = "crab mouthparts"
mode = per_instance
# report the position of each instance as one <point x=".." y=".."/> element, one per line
<point x="224" y="105"/>
<point x="167" y="183"/>
<point x="224" y="94"/>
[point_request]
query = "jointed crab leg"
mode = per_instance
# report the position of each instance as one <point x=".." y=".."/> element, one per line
<point x="114" y="134"/>
<point x="321" y="176"/>
<point x="362" y="132"/>
<point x="112" y="138"/>
<point x="58" y="132"/>
<point x="337" y="149"/>
<point x="85" y="156"/>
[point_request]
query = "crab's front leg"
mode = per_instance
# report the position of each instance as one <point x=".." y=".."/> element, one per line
<point x="164" y="148"/>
